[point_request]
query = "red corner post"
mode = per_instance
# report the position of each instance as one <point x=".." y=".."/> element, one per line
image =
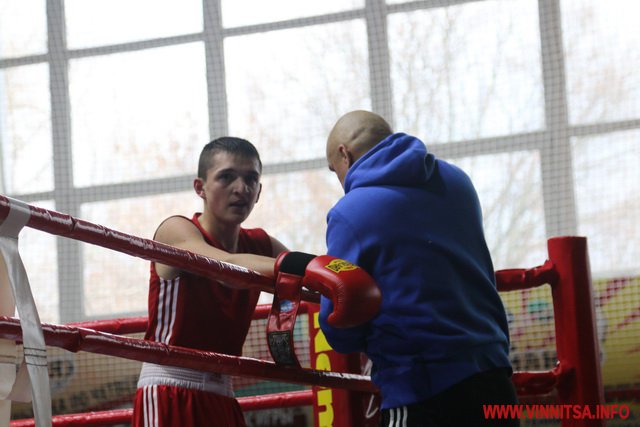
<point x="338" y="407"/>
<point x="576" y="333"/>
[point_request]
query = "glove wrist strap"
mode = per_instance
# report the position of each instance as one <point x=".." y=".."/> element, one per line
<point x="282" y="319"/>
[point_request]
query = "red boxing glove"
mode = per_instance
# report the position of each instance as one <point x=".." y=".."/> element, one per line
<point x="355" y="295"/>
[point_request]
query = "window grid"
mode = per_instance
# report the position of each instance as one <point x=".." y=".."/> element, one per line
<point x="553" y="142"/>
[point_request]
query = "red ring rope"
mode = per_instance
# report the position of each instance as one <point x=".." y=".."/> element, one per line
<point x="67" y="226"/>
<point x="133" y="325"/>
<point x="76" y="339"/>
<point x="123" y="416"/>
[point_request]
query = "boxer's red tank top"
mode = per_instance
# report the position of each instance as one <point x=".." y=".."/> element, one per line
<point x="197" y="312"/>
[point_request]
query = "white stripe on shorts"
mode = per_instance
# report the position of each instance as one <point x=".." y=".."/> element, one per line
<point x="150" y="399"/>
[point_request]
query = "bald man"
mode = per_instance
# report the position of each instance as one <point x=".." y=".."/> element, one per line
<point x="440" y="343"/>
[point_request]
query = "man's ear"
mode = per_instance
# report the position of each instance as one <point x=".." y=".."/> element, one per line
<point x="259" y="191"/>
<point x="345" y="155"/>
<point x="198" y="186"/>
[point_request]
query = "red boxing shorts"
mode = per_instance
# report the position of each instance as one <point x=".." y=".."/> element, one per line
<point x="168" y="406"/>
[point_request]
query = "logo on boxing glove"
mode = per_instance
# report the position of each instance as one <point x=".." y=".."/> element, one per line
<point x="340" y="265"/>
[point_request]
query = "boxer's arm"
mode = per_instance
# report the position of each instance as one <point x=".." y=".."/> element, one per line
<point x="183" y="234"/>
<point x="277" y="247"/>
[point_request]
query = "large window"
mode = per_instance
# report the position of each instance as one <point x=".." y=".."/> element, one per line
<point x="92" y="23"/>
<point x="509" y="186"/>
<point x="23" y="28"/>
<point x="104" y="107"/>
<point x="25" y="126"/>
<point x="285" y="87"/>
<point x="607" y="187"/>
<point x="138" y="115"/>
<point x="457" y="75"/>
<point x="601" y="49"/>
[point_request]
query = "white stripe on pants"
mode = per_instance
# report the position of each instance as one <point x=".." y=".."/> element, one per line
<point x="398" y="417"/>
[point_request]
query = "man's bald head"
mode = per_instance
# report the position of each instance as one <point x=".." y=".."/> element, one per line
<point x="360" y="131"/>
<point x="352" y="136"/>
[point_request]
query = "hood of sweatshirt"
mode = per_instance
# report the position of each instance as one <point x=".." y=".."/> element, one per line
<point x="398" y="160"/>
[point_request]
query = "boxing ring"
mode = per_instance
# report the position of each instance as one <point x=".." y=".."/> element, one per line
<point x="341" y="393"/>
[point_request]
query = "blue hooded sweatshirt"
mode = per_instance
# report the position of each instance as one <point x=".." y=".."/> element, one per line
<point x="414" y="223"/>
